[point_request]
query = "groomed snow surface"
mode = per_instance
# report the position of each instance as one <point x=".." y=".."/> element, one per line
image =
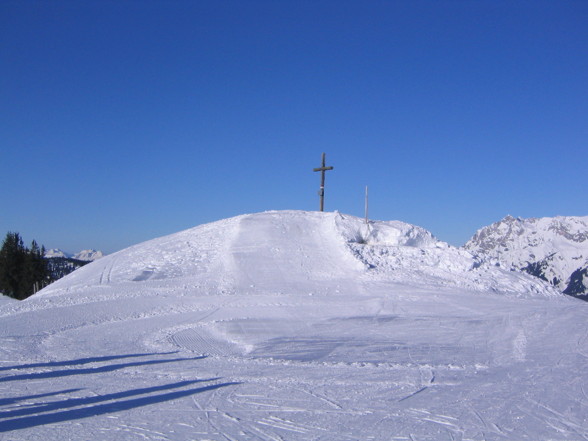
<point x="294" y="326"/>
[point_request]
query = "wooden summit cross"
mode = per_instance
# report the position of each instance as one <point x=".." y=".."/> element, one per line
<point x="321" y="192"/>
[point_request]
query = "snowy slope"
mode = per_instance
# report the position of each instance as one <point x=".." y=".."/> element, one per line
<point x="294" y="326"/>
<point x="5" y="299"/>
<point x="554" y="249"/>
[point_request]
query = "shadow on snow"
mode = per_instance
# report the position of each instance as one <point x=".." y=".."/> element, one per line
<point x="88" y="371"/>
<point x="92" y="409"/>
<point x="14" y="400"/>
<point x="86" y="360"/>
<point x="41" y="413"/>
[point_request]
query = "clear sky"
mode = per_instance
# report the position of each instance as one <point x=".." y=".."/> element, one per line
<point x="121" y="121"/>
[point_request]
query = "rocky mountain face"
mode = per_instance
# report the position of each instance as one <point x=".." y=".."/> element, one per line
<point x="553" y="249"/>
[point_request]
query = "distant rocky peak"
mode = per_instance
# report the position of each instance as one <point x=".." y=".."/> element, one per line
<point x="497" y="235"/>
<point x="56" y="252"/>
<point x="84" y="255"/>
<point x="88" y="255"/>
<point x="553" y="249"/>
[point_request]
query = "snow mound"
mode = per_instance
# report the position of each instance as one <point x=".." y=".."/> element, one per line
<point x="390" y="233"/>
<point x="297" y="251"/>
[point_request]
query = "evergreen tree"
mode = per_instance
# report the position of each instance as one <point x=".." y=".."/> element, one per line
<point x="12" y="257"/>
<point x="35" y="270"/>
<point x="22" y="271"/>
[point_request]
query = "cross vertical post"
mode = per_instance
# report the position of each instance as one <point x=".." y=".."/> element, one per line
<point x="321" y="192"/>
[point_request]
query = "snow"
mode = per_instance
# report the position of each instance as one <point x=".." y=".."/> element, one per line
<point x="6" y="299"/>
<point x="294" y="325"/>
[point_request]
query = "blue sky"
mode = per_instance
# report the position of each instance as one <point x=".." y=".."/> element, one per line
<point x="121" y="121"/>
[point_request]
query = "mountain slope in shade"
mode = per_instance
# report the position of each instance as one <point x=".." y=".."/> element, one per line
<point x="294" y="326"/>
<point x="553" y="249"/>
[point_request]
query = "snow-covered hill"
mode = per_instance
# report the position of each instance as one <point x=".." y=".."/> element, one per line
<point x="554" y="249"/>
<point x="282" y="248"/>
<point x="293" y="326"/>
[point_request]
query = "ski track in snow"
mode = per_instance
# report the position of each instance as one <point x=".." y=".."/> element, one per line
<point x="276" y="331"/>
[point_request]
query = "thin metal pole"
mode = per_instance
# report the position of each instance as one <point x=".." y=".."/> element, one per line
<point x="366" y="205"/>
<point x="322" y="190"/>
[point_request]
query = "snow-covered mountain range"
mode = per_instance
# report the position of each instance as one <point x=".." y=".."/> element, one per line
<point x="291" y="325"/>
<point x="553" y="249"/>
<point x="84" y="255"/>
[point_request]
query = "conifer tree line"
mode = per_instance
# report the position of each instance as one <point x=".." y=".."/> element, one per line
<point x="23" y="271"/>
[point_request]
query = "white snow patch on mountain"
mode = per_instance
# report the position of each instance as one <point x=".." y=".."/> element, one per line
<point x="294" y="325"/>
